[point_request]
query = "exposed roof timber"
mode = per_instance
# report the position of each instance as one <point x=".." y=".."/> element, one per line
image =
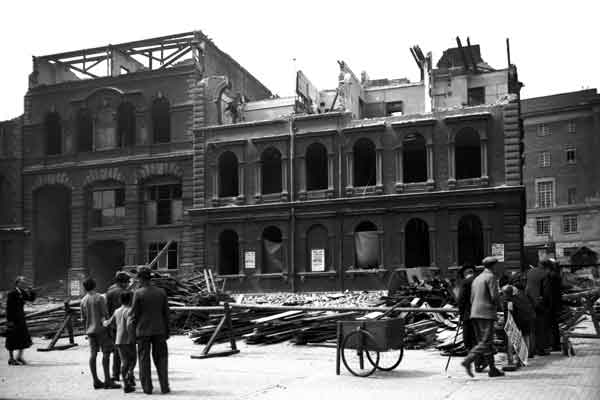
<point x="471" y="58"/>
<point x="174" y="57"/>
<point x="462" y="53"/>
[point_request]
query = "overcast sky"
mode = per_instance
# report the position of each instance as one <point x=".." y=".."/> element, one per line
<point x="555" y="45"/>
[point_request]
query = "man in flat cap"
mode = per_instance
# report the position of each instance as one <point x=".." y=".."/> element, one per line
<point x="150" y="316"/>
<point x="484" y="307"/>
<point x="113" y="301"/>
<point x="538" y="290"/>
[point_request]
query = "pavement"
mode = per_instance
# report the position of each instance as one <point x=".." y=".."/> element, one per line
<point x="287" y="371"/>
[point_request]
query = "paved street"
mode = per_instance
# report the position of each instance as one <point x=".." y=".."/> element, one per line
<point x="286" y="371"/>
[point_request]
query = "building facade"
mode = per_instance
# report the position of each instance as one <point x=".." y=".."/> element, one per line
<point x="562" y="175"/>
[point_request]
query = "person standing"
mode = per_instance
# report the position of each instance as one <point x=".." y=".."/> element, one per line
<point x="555" y="303"/>
<point x="484" y="306"/>
<point x="113" y="302"/>
<point x="150" y="316"/>
<point x="523" y="313"/>
<point x="94" y="312"/>
<point x="467" y="273"/>
<point x="124" y="339"/>
<point x="17" y="335"/>
<point x="538" y="291"/>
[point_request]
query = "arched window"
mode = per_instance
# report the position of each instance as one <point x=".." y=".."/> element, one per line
<point x="316" y="167"/>
<point x="271" y="171"/>
<point x="414" y="158"/>
<point x="272" y="256"/>
<point x="316" y="240"/>
<point x="161" y="120"/>
<point x="53" y="128"/>
<point x="467" y="154"/>
<point x="85" y="130"/>
<point x="126" y="124"/>
<point x="470" y="240"/>
<point x="365" y="163"/>
<point x="416" y="243"/>
<point x="366" y="245"/>
<point x="229" y="263"/>
<point x="228" y="175"/>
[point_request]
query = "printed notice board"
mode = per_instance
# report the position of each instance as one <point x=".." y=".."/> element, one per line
<point x="250" y="260"/>
<point x="317" y="260"/>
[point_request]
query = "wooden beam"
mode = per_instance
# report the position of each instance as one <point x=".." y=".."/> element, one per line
<point x="160" y="253"/>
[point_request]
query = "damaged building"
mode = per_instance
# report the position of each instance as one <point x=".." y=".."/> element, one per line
<point x="168" y="146"/>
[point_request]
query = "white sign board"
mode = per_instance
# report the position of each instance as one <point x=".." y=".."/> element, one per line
<point x="75" y="289"/>
<point x="498" y="251"/>
<point x="516" y="338"/>
<point x="317" y="260"/>
<point x="250" y="260"/>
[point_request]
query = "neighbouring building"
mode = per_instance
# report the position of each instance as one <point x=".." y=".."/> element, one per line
<point x="562" y="176"/>
<point x="337" y="189"/>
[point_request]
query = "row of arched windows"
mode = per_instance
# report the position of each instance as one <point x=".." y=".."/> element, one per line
<point x="414" y="164"/>
<point x="106" y="128"/>
<point x="367" y="241"/>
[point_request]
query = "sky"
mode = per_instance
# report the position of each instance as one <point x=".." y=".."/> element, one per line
<point x="554" y="44"/>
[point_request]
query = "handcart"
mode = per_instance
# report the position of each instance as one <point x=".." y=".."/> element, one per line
<point x="368" y="345"/>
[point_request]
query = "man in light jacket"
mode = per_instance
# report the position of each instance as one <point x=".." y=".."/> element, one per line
<point x="484" y="307"/>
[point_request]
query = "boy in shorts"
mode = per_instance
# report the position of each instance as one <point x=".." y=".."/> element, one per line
<point x="125" y="339"/>
<point x="94" y="312"/>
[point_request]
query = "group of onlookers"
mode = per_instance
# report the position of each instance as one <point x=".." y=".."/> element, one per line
<point x="124" y="319"/>
<point x="535" y="302"/>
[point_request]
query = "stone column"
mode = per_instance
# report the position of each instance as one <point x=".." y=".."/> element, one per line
<point x="241" y="183"/>
<point x="349" y="172"/>
<point x="484" y="161"/>
<point x="284" y="179"/>
<point x="330" y="175"/>
<point x="379" y="170"/>
<point x="432" y="246"/>
<point x="215" y="184"/>
<point x="258" y="180"/>
<point x="451" y="172"/>
<point x="399" y="170"/>
<point x="302" y="177"/>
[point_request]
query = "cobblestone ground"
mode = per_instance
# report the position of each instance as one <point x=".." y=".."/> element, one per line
<point x="285" y="371"/>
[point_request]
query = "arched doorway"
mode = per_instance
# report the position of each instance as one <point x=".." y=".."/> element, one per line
<point x="470" y="240"/>
<point x="416" y="248"/>
<point x="365" y="163"/>
<point x="366" y="245"/>
<point x="467" y="154"/>
<point x="316" y="167"/>
<point x="52" y="235"/>
<point x="104" y="259"/>
<point x="272" y="257"/>
<point x="229" y="260"/>
<point x="228" y="175"/>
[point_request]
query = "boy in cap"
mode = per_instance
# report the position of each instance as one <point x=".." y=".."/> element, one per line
<point x="113" y="301"/>
<point x="124" y="339"/>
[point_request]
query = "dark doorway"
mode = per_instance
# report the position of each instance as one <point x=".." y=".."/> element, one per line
<point x="416" y="246"/>
<point x="272" y="260"/>
<point x="365" y="163"/>
<point x="366" y="245"/>
<point x="85" y="130"/>
<point x="53" y="129"/>
<point x="470" y="240"/>
<point x="104" y="259"/>
<point x="467" y="154"/>
<point x="414" y="158"/>
<point x="229" y="254"/>
<point x="52" y="235"/>
<point x="316" y="167"/>
<point x="228" y="175"/>
<point x="271" y="171"/>
<point x="161" y="120"/>
<point x="126" y="124"/>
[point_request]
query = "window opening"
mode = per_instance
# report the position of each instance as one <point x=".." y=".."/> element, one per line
<point x="545" y="194"/>
<point x="168" y="260"/>
<point x="569" y="223"/>
<point x="228" y="175"/>
<point x="126" y="124"/>
<point x="108" y="207"/>
<point x="365" y="163"/>
<point x="272" y="260"/>
<point x="229" y="253"/>
<point x="366" y="245"/>
<point x="467" y="154"/>
<point x="316" y="167"/>
<point x="52" y="125"/>
<point x="163" y="204"/>
<point x="542" y="226"/>
<point x="414" y="158"/>
<point x="161" y="120"/>
<point x="271" y="171"/>
<point x="417" y="243"/>
<point x="476" y="96"/>
<point x="470" y="240"/>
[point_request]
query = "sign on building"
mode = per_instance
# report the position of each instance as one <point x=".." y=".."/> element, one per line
<point x="317" y="260"/>
<point x="250" y="260"/>
<point x="498" y="251"/>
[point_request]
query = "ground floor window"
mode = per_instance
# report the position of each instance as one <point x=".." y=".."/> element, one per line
<point x="168" y="259"/>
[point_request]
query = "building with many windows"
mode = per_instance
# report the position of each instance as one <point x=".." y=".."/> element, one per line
<point x="562" y="174"/>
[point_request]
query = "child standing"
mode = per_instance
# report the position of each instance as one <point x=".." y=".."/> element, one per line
<point x="94" y="312"/>
<point x="125" y="340"/>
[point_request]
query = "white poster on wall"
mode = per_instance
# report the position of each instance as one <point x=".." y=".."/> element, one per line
<point x="75" y="289"/>
<point x="250" y="260"/>
<point x="498" y="251"/>
<point x="317" y="260"/>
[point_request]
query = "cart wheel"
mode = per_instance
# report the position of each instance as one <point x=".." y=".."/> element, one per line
<point x="354" y="359"/>
<point x="388" y="360"/>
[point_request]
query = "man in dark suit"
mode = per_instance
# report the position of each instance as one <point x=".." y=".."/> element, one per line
<point x="555" y="286"/>
<point x="538" y="291"/>
<point x="467" y="274"/>
<point x="150" y="316"/>
<point x="113" y="301"/>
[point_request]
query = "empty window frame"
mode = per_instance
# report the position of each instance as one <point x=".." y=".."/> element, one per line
<point x="107" y="207"/>
<point x="542" y="226"/>
<point x="470" y="240"/>
<point x="414" y="158"/>
<point x="53" y="131"/>
<point x="229" y="253"/>
<point x="545" y="194"/>
<point x="571" y="195"/>
<point x="570" y="154"/>
<point x="569" y="223"/>
<point x="467" y="154"/>
<point x="316" y="167"/>
<point x="271" y="171"/>
<point x="168" y="259"/>
<point x="85" y="130"/>
<point x="272" y="256"/>
<point x="126" y="124"/>
<point x="543" y="130"/>
<point x="365" y="163"/>
<point x="366" y="245"/>
<point x="394" y="108"/>
<point x="163" y="204"/>
<point x="416" y="243"/>
<point x="161" y="120"/>
<point x="544" y="159"/>
<point x="228" y="175"/>
<point x="476" y="96"/>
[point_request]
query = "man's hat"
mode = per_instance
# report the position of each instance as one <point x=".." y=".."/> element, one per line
<point x="122" y="276"/>
<point x="464" y="268"/>
<point x="489" y="261"/>
<point x="144" y="273"/>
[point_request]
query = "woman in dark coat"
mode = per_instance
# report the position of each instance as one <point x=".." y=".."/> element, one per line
<point x="17" y="335"/>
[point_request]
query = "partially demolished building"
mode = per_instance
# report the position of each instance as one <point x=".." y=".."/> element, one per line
<point x="173" y="148"/>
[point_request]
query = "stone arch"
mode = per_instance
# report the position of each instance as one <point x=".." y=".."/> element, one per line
<point x="103" y="174"/>
<point x="158" y="169"/>
<point x="59" y="178"/>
